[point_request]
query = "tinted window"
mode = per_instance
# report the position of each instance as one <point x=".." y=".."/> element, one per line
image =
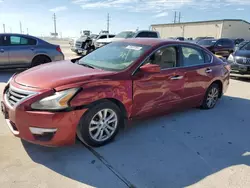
<point x="192" y="56"/>
<point x="1" y="41"/>
<point x="147" y="35"/>
<point x="16" y="40"/>
<point x="111" y="36"/>
<point x="219" y="43"/>
<point x="165" y="58"/>
<point x="207" y="42"/>
<point x="227" y="43"/>
<point x="103" y="37"/>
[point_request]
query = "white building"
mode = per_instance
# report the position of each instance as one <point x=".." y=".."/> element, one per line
<point x="228" y="28"/>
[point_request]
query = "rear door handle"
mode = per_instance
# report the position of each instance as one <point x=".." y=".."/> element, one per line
<point x="208" y="70"/>
<point x="176" y="77"/>
<point x="2" y="50"/>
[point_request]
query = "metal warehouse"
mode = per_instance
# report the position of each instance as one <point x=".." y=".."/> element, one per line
<point x="228" y="28"/>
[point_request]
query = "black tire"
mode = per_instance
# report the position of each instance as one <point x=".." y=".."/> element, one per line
<point x="83" y="131"/>
<point x="38" y="60"/>
<point x="205" y="103"/>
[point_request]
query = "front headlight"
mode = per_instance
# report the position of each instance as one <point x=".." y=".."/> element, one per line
<point x="230" y="58"/>
<point x="57" y="101"/>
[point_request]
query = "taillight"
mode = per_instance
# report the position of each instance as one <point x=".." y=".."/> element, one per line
<point x="58" y="49"/>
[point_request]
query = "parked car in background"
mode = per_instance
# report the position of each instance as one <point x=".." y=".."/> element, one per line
<point x="238" y="41"/>
<point x="196" y="40"/>
<point x="92" y="96"/>
<point x="85" y="44"/>
<point x="240" y="61"/>
<point x="128" y="34"/>
<point x="223" y="46"/>
<point x="24" y="51"/>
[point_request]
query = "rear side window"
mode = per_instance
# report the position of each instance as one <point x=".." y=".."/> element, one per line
<point x="207" y="57"/>
<point x="192" y="56"/>
<point x="147" y="35"/>
<point x="17" y="40"/>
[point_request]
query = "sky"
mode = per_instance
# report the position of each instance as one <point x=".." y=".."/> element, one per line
<point x="76" y="15"/>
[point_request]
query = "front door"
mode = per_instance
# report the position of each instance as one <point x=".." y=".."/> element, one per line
<point x="197" y="66"/>
<point x="4" y="54"/>
<point x="157" y="92"/>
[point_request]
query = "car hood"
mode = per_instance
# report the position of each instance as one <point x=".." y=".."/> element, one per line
<point x="108" y="40"/>
<point x="52" y="75"/>
<point x="242" y="53"/>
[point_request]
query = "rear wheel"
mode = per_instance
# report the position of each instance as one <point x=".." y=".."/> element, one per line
<point x="38" y="60"/>
<point x="100" y="124"/>
<point x="211" y="97"/>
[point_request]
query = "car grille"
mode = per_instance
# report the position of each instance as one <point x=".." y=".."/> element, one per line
<point x="243" y="61"/>
<point x="14" y="96"/>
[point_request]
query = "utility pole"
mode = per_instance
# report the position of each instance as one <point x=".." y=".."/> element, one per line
<point x="54" y="18"/>
<point x="21" y="30"/>
<point x="108" y="23"/>
<point x="27" y="31"/>
<point x="179" y="17"/>
<point x="4" y="28"/>
<point x="175" y="16"/>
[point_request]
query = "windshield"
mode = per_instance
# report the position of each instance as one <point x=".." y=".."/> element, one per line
<point x="245" y="47"/>
<point x="125" y="34"/>
<point x="207" y="42"/>
<point x="115" y="56"/>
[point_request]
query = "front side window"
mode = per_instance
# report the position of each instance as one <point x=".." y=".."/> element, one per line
<point x="192" y="56"/>
<point x="17" y="40"/>
<point x="165" y="58"/>
<point x="115" y="56"/>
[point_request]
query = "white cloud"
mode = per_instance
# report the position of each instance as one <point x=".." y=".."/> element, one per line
<point x="161" y="15"/>
<point x="240" y="9"/>
<point x="58" y="9"/>
<point x="239" y="2"/>
<point x="1" y="1"/>
<point x="134" y="5"/>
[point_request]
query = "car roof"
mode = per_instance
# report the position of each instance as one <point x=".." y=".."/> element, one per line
<point x="154" y="41"/>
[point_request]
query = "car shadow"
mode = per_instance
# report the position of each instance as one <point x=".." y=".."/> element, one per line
<point x="177" y="150"/>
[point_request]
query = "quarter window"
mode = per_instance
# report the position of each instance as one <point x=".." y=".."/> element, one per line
<point x="16" y="40"/>
<point x="192" y="57"/>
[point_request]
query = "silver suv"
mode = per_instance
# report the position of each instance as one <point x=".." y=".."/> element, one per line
<point x="24" y="51"/>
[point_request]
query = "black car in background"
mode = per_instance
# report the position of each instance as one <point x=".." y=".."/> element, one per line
<point x="223" y="47"/>
<point x="240" y="61"/>
<point x="198" y="39"/>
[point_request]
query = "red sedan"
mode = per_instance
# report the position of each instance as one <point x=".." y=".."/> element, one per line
<point x="92" y="96"/>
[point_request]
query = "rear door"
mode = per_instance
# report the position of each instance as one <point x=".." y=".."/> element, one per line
<point x="154" y="93"/>
<point x="4" y="54"/>
<point x="197" y="67"/>
<point x="21" y="50"/>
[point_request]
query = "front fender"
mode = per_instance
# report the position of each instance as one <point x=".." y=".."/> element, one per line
<point x="92" y="92"/>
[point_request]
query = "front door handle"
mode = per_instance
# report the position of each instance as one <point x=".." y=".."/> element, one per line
<point x="208" y="70"/>
<point x="177" y="77"/>
<point x="2" y="50"/>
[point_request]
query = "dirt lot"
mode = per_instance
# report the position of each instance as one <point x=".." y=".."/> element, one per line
<point x="194" y="148"/>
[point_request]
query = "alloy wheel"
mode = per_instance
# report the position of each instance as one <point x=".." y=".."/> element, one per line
<point x="103" y="125"/>
<point x="212" y="97"/>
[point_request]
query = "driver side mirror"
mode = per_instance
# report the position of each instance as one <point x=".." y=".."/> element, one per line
<point x="150" y="68"/>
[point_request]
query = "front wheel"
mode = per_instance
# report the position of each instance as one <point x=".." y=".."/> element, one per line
<point x="100" y="124"/>
<point x="211" y="97"/>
